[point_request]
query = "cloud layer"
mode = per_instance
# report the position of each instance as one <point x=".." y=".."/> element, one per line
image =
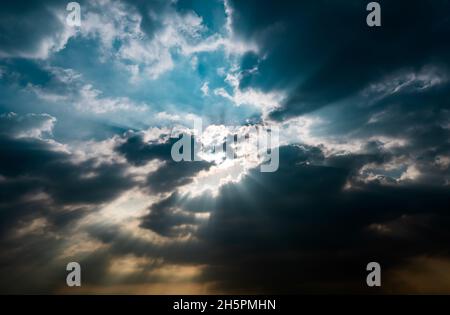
<point x="89" y="115"/>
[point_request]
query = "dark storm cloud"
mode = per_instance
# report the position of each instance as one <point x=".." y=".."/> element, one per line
<point x="175" y="215"/>
<point x="44" y="191"/>
<point x="138" y="152"/>
<point x="417" y="116"/>
<point x="164" y="217"/>
<point x="31" y="166"/>
<point x="66" y="181"/>
<point x="299" y="230"/>
<point x="427" y="109"/>
<point x="170" y="175"/>
<point x="32" y="235"/>
<point x="124" y="243"/>
<point x="174" y="174"/>
<point x="398" y="113"/>
<point x="28" y="264"/>
<point x="42" y="183"/>
<point x="167" y="220"/>
<point x="27" y="26"/>
<point x="323" y="52"/>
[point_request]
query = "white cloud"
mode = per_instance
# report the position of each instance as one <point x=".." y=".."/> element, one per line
<point x="90" y="100"/>
<point x="69" y="88"/>
<point x="427" y="77"/>
<point x="155" y="58"/>
<point x="184" y="33"/>
<point x="411" y="173"/>
<point x="265" y="101"/>
<point x="112" y="22"/>
<point x="205" y="88"/>
<point x="29" y="125"/>
<point x="50" y="29"/>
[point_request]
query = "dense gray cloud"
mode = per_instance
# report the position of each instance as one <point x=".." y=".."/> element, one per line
<point x="32" y="29"/>
<point x="170" y="175"/>
<point x="299" y="229"/>
<point x="31" y="165"/>
<point x="44" y="191"/>
<point x="324" y="52"/>
<point x="166" y="220"/>
<point x="64" y="180"/>
<point x="316" y="238"/>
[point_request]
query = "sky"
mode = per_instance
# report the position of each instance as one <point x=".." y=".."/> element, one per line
<point x="89" y="115"/>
